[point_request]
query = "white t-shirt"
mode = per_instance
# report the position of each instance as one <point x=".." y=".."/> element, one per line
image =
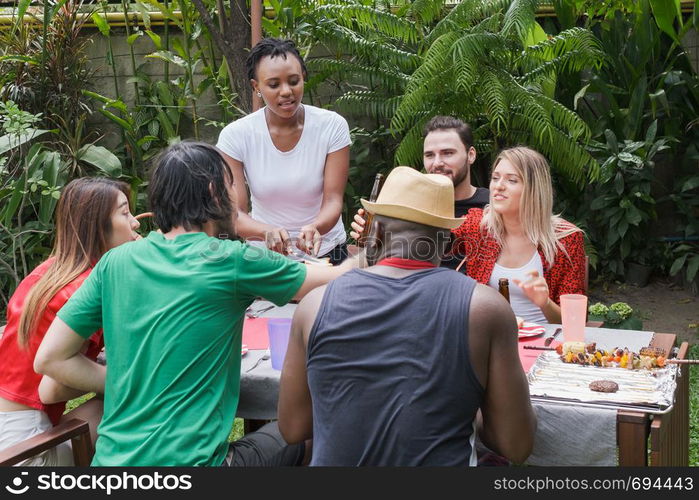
<point x="521" y="305"/>
<point x="286" y="188"/>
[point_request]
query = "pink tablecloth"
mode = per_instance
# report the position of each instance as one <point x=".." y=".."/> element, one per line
<point x="528" y="356"/>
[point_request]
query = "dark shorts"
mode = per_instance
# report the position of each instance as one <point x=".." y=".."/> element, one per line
<point x="337" y="254"/>
<point x="264" y="448"/>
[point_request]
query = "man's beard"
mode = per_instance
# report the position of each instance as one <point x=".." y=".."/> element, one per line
<point x="461" y="174"/>
<point x="225" y="229"/>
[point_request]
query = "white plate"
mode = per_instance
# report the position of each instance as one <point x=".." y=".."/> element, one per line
<point x="531" y="330"/>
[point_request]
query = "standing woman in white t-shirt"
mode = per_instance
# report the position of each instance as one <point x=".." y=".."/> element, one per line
<point x="294" y="158"/>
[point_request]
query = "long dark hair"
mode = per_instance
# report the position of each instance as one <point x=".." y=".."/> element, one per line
<point x="188" y="186"/>
<point x="83" y="226"/>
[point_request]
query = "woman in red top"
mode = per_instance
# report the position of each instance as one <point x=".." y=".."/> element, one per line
<point x="518" y="237"/>
<point x="92" y="217"/>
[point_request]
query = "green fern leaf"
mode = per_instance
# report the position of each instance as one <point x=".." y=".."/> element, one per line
<point x="519" y="19"/>
<point x="384" y="22"/>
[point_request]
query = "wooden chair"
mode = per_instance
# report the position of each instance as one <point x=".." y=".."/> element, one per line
<point x="78" y="431"/>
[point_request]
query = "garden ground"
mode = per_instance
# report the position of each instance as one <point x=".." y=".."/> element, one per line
<point x="663" y="306"/>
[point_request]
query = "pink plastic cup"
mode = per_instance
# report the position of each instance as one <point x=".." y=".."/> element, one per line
<point x="278" y="330"/>
<point x="573" y="316"/>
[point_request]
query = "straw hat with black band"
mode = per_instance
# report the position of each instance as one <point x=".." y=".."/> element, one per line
<point x="423" y="198"/>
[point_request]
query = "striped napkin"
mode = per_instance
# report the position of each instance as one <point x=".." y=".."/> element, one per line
<point x="531" y="329"/>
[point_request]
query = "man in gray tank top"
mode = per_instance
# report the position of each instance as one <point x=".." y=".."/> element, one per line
<point x="390" y="365"/>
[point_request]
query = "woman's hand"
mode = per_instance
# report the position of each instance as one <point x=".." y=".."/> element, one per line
<point x="535" y="288"/>
<point x="358" y="224"/>
<point x="309" y="239"/>
<point x="277" y="239"/>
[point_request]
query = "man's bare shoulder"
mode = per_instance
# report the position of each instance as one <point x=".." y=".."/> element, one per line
<point x="308" y="307"/>
<point x="490" y="311"/>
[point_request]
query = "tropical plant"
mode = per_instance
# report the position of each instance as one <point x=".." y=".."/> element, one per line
<point x="647" y="77"/>
<point x="622" y="207"/>
<point x="44" y="68"/>
<point x="488" y="62"/>
<point x="684" y="261"/>
<point x="30" y="178"/>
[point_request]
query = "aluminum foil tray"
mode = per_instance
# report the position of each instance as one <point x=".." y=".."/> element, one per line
<point x="551" y="379"/>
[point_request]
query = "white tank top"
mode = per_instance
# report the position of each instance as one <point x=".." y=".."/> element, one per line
<point x="521" y="305"/>
<point x="286" y="187"/>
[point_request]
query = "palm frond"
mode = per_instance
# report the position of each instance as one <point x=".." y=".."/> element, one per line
<point x="393" y="81"/>
<point x="381" y="21"/>
<point x="409" y="150"/>
<point x="342" y="40"/>
<point x="412" y="104"/>
<point x="576" y="41"/>
<point x="472" y="45"/>
<point x="565" y="119"/>
<point x="538" y="118"/>
<point x="564" y="155"/>
<point x="434" y="61"/>
<point x="426" y="11"/>
<point x="367" y="103"/>
<point x="466" y="73"/>
<point x="519" y="18"/>
<point x="496" y="103"/>
<point x="466" y="14"/>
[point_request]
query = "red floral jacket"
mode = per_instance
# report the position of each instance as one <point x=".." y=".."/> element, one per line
<point x="566" y="275"/>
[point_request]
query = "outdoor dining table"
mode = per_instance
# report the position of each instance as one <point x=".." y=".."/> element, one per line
<point x="567" y="434"/>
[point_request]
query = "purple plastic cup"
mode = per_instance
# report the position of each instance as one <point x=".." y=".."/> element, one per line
<point x="278" y="330"/>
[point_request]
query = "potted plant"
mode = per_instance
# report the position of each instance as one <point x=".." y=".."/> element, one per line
<point x="619" y="315"/>
<point x="641" y="262"/>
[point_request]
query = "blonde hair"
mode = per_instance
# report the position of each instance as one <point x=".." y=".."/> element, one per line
<point x="83" y="225"/>
<point x="540" y="225"/>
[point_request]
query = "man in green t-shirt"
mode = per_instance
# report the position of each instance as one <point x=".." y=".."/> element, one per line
<point x="172" y="308"/>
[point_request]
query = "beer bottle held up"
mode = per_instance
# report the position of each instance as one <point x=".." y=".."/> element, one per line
<point x="504" y="288"/>
<point x="368" y="217"/>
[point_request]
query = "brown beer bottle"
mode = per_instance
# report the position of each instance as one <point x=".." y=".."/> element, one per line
<point x="368" y="217"/>
<point x="504" y="288"/>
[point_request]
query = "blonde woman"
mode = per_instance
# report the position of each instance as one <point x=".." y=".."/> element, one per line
<point x="92" y="217"/>
<point x="516" y="236"/>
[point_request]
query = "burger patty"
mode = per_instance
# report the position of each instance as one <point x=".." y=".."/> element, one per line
<point x="604" y="386"/>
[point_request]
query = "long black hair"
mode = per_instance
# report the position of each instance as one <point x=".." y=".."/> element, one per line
<point x="188" y="186"/>
<point x="272" y="47"/>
